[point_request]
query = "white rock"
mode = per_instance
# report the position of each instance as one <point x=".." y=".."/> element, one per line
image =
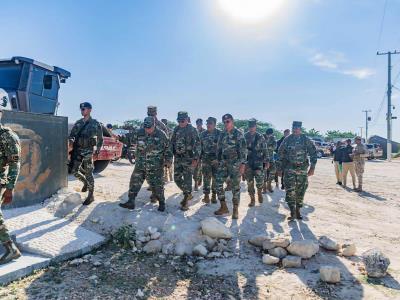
<point x="200" y="250"/>
<point x="376" y="263"/>
<point x="95" y="220"/>
<point x="142" y="239"/>
<point x="258" y="240"/>
<point x="139" y="293"/>
<point x="267" y="244"/>
<point x="132" y="244"/>
<point x="156" y="265"/>
<point x="348" y="249"/>
<point x="278" y="252"/>
<point x="269" y="259"/>
<point x="215" y="229"/>
<point x="155" y="235"/>
<point x="93" y="277"/>
<point x="180" y="249"/>
<point x="214" y="254"/>
<point x="67" y="206"/>
<point x="329" y="274"/>
<point x="139" y="244"/>
<point x="168" y="249"/>
<point x="190" y="264"/>
<point x="153" y="246"/>
<point x="209" y="242"/>
<point x="97" y="263"/>
<point x="151" y="230"/>
<point x="280" y="242"/>
<point x="328" y="244"/>
<point x="303" y="248"/>
<point x="76" y="261"/>
<point x="291" y="261"/>
<point x="227" y="254"/>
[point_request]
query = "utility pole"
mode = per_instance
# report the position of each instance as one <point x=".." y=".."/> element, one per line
<point x="361" y="128"/>
<point x="367" y="119"/>
<point x="389" y="116"/>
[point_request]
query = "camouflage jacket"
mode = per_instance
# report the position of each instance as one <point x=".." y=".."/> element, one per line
<point x="232" y="146"/>
<point x="10" y="155"/>
<point x="209" y="142"/>
<point x="257" y="153"/>
<point x="294" y="153"/>
<point x="271" y="146"/>
<point x="185" y="142"/>
<point x="153" y="150"/>
<point x="359" y="153"/>
<point x="91" y="135"/>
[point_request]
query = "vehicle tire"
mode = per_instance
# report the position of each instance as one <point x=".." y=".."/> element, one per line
<point x="100" y="165"/>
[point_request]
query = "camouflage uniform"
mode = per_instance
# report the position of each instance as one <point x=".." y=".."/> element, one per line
<point x="359" y="163"/>
<point x="232" y="153"/>
<point x="271" y="146"/>
<point x="293" y="159"/>
<point x="91" y="135"/>
<point x="209" y="141"/>
<point x="168" y="169"/>
<point x="257" y="157"/>
<point x="197" y="172"/>
<point x="152" y="154"/>
<point x="10" y="153"/>
<point x="185" y="144"/>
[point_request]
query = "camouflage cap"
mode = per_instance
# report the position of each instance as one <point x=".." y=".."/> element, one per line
<point x="269" y="131"/>
<point x="182" y="115"/>
<point x="151" y="110"/>
<point x="85" y="105"/>
<point x="148" y="122"/>
<point x="199" y="121"/>
<point x="358" y="138"/>
<point x="252" y="123"/>
<point x="297" y="124"/>
<point x="227" y="117"/>
<point x="211" y="120"/>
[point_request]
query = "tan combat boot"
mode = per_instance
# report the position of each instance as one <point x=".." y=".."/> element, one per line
<point x="269" y="187"/>
<point x="206" y="198"/>
<point x="260" y="196"/>
<point x="214" y="198"/>
<point x="235" y="214"/>
<point x="252" y="200"/>
<point x="12" y="252"/>
<point x="223" y="209"/>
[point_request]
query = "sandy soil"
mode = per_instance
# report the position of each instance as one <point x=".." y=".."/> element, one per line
<point x="368" y="219"/>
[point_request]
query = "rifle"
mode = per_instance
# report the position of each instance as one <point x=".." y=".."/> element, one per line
<point x="74" y="152"/>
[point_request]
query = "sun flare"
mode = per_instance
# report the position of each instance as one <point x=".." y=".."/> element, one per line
<point x="251" y="11"/>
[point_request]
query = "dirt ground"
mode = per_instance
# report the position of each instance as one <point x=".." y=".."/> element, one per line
<point x="369" y="219"/>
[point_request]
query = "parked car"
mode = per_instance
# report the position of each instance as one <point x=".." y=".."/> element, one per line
<point x="323" y="149"/>
<point x="374" y="151"/>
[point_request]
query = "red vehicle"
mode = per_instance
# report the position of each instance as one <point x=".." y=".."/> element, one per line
<point x="111" y="150"/>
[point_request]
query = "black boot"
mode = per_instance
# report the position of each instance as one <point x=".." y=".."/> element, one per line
<point x="12" y="252"/>
<point x="130" y="204"/>
<point x="298" y="214"/>
<point x="292" y="214"/>
<point x="89" y="199"/>
<point x="84" y="188"/>
<point x="161" y="206"/>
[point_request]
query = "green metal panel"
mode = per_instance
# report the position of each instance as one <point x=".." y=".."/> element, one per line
<point x="44" y="155"/>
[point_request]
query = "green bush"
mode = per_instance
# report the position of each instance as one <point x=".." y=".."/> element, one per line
<point x="124" y="235"/>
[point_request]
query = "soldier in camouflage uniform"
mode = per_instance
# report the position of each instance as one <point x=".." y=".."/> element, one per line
<point x="359" y="154"/>
<point x="10" y="153"/>
<point x="85" y="135"/>
<point x="168" y="169"/>
<point x="197" y="174"/>
<point x="152" y="154"/>
<point x="152" y="112"/>
<point x="209" y="140"/>
<point x="232" y="154"/>
<point x="185" y="144"/>
<point x="257" y="161"/>
<point x="293" y="156"/>
<point x="271" y="171"/>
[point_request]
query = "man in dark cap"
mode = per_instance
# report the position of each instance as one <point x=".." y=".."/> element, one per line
<point x="359" y="154"/>
<point x="10" y="155"/>
<point x="197" y="174"/>
<point x="296" y="154"/>
<point x="209" y="140"/>
<point x="152" y="112"/>
<point x="85" y="135"/>
<point x="153" y="153"/>
<point x="257" y="160"/>
<point x="232" y="154"/>
<point x="270" y="172"/>
<point x="185" y="145"/>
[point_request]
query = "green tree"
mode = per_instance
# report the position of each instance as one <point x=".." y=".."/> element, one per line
<point x="334" y="134"/>
<point x="261" y="127"/>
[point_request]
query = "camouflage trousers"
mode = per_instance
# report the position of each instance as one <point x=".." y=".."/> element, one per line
<point x="197" y="173"/>
<point x="209" y="169"/>
<point x="82" y="169"/>
<point x="359" y="167"/>
<point x="154" y="178"/>
<point x="231" y="169"/>
<point x="254" y="175"/>
<point x="183" y="172"/>
<point x="296" y="183"/>
<point x="4" y="235"/>
<point x="270" y="172"/>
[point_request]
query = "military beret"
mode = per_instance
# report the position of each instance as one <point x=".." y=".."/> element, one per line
<point x="182" y="115"/>
<point x="211" y="120"/>
<point x="227" y="117"/>
<point x="297" y="124"/>
<point x="252" y="123"/>
<point x="269" y="131"/>
<point x="151" y="110"/>
<point x="85" y="105"/>
<point x="199" y="121"/>
<point x="148" y="122"/>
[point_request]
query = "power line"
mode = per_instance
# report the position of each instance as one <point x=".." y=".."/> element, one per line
<point x="381" y="25"/>
<point x="378" y="112"/>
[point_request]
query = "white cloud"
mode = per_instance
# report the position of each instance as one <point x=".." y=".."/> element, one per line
<point x="360" y="73"/>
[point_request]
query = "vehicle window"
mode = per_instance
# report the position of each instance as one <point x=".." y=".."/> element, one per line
<point x="9" y="76"/>
<point x="47" y="82"/>
<point x="37" y="81"/>
<point x="370" y="146"/>
<point x="51" y="86"/>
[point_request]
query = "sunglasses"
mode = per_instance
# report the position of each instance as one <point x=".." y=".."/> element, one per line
<point x="227" y="121"/>
<point x="181" y="121"/>
<point x="83" y="108"/>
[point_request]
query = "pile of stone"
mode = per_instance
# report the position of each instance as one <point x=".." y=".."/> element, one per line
<point x="147" y="241"/>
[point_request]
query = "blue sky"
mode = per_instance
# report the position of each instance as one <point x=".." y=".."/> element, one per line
<point x="313" y="60"/>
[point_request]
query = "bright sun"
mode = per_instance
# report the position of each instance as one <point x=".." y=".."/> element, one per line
<point x="251" y="11"/>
